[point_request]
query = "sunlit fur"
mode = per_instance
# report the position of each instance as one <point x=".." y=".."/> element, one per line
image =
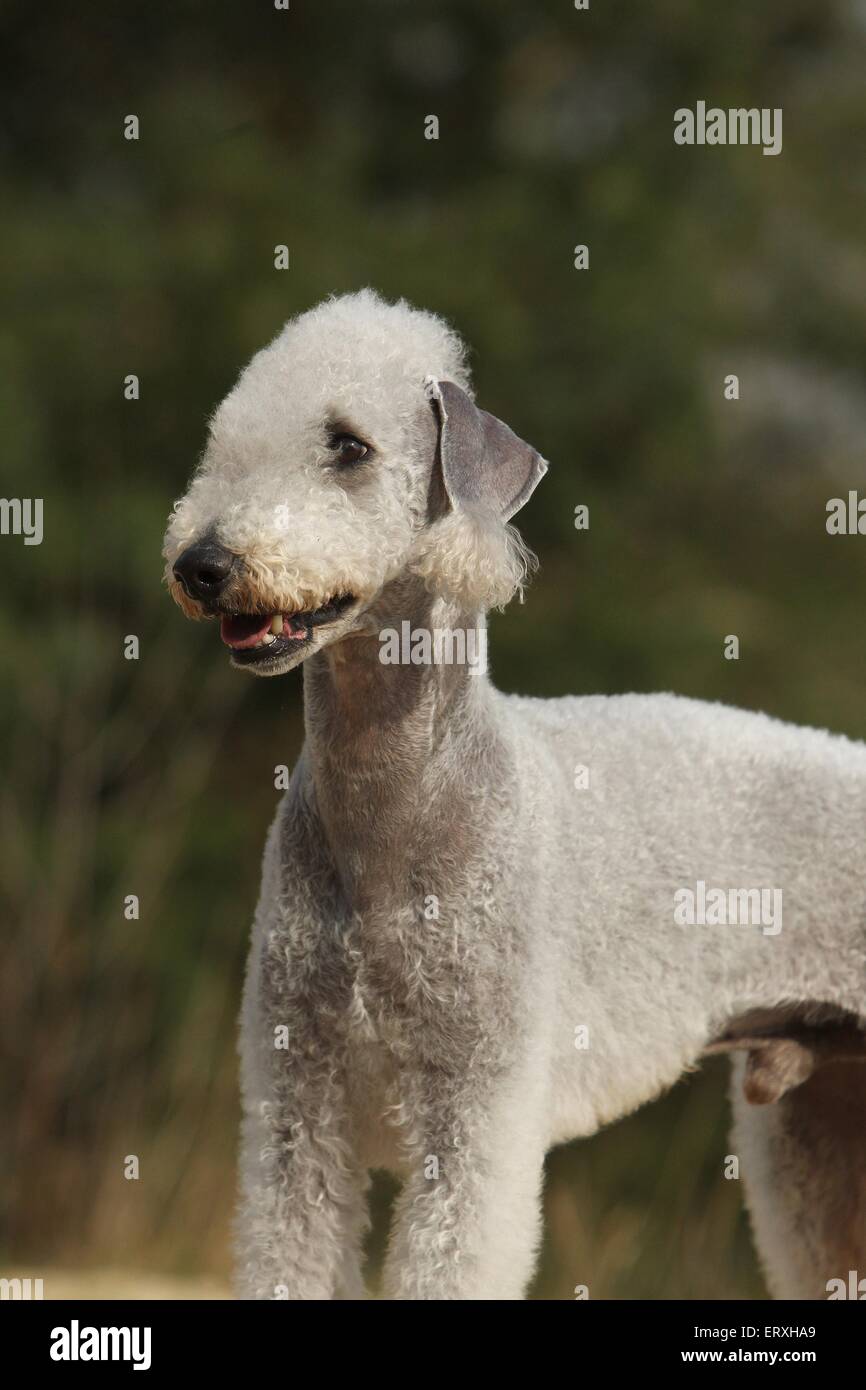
<point x="443" y="1045"/>
<point x="307" y="532"/>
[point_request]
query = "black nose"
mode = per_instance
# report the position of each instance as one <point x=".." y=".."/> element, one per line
<point x="203" y="569"/>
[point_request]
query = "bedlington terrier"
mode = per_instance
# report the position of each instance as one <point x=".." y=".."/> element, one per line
<point x="490" y="923"/>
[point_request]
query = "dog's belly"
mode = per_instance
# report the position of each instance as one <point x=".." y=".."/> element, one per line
<point x="694" y="862"/>
<point x="591" y="1092"/>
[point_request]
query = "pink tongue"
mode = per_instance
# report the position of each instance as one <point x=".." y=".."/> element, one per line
<point x="243" y="630"/>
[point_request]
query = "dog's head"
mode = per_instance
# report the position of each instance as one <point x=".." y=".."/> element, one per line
<point x="349" y="453"/>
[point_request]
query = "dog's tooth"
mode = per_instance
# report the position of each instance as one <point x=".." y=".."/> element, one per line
<point x="267" y="639"/>
<point x="277" y="624"/>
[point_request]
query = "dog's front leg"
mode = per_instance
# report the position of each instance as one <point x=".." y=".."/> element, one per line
<point x="302" y="1211"/>
<point x="467" y="1223"/>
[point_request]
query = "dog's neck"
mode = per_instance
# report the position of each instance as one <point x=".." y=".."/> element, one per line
<point x="379" y="735"/>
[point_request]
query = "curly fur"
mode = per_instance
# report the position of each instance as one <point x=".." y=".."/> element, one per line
<point x="472" y="560"/>
<point x="444" y="906"/>
<point x="355" y="360"/>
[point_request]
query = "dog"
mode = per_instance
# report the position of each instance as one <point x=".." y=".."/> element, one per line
<point x="487" y="923"/>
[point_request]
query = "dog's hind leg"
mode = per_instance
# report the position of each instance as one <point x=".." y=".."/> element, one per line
<point x="803" y="1163"/>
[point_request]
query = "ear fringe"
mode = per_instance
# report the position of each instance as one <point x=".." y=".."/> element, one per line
<point x="474" y="561"/>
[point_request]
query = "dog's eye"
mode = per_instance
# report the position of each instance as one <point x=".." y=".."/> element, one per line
<point x="348" y="450"/>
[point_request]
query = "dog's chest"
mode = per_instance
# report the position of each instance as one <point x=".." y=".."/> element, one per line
<point x="402" y="991"/>
<point x="403" y="980"/>
<point x="413" y="973"/>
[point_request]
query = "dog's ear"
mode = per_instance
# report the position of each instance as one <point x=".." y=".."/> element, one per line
<point x="484" y="463"/>
<point x="471" y="555"/>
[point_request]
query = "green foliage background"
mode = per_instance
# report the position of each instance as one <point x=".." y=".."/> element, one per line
<point x="261" y="127"/>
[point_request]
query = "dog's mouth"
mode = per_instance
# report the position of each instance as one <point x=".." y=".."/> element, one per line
<point x="255" y="637"/>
